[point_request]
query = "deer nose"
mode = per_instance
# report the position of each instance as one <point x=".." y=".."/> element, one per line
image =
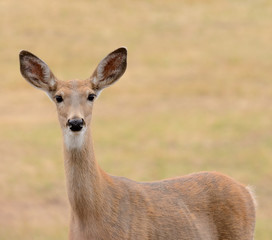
<point x="75" y="124"/>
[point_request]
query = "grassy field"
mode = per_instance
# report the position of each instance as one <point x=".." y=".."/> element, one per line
<point x="196" y="96"/>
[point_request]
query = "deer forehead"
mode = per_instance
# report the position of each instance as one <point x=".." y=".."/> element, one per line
<point x="74" y="89"/>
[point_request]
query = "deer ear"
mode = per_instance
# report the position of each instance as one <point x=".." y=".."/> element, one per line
<point x="36" y="72"/>
<point x="110" y="69"/>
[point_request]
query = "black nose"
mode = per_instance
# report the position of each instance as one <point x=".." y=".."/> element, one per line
<point x="75" y="124"/>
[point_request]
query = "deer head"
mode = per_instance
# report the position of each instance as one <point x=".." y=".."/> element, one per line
<point x="74" y="99"/>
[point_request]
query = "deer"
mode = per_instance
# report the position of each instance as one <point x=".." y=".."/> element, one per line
<point x="202" y="206"/>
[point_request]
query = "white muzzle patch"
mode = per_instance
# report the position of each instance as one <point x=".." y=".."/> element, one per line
<point x="74" y="140"/>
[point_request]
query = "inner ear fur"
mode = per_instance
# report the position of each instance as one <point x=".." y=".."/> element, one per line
<point x="36" y="72"/>
<point x="110" y="69"/>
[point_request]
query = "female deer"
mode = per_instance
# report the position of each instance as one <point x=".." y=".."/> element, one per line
<point x="205" y="205"/>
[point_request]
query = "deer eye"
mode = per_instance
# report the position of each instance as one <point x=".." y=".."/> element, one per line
<point x="59" y="98"/>
<point x="91" y="97"/>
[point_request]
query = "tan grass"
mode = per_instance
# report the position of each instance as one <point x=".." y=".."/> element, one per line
<point x="196" y="96"/>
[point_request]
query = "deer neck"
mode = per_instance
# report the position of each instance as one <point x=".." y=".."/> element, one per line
<point x="84" y="178"/>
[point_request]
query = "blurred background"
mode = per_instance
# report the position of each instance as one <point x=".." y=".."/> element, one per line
<point x="196" y="96"/>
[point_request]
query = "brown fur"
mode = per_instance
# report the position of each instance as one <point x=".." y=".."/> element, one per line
<point x="205" y="205"/>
